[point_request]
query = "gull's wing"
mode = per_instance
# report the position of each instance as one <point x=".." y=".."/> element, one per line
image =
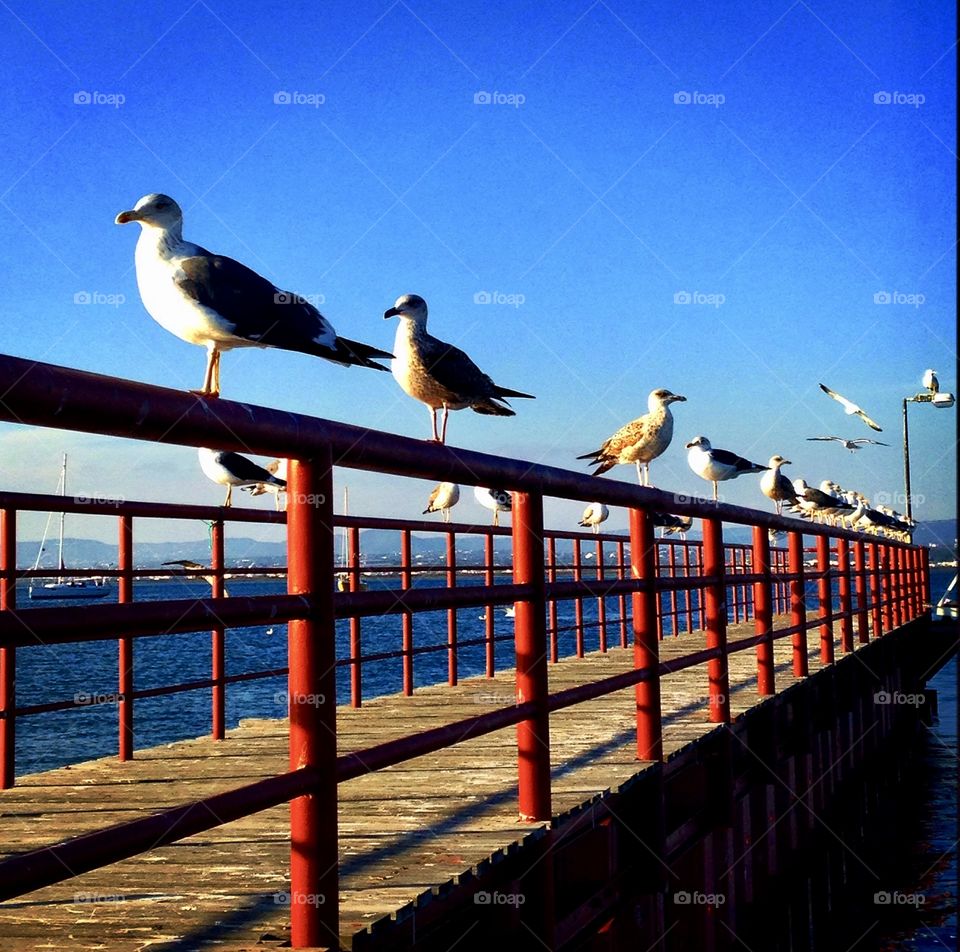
<point x="826" y="438"/>
<point x="870" y="423"/>
<point x="245" y="469"/>
<point x="454" y="370"/>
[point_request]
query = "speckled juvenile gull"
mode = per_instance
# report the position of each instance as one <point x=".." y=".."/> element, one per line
<point x="774" y="485"/>
<point x="443" y="498"/>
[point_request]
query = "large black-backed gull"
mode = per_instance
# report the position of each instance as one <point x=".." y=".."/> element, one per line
<point x="717" y="465"/>
<point x="231" y="469"/>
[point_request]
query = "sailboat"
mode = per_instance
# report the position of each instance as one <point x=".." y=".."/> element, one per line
<point x="65" y="587"/>
<point x="343" y="574"/>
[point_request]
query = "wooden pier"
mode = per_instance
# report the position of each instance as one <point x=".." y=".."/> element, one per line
<point x="403" y="830"/>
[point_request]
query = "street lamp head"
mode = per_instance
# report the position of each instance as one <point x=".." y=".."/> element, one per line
<point x="943" y="400"/>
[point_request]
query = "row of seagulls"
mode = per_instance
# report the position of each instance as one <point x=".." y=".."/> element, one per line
<point x="851" y="408"/>
<point x="717" y="465"/>
<point x="852" y="445"/>
<point x="232" y="469"/>
<point x="216" y="302"/>
<point x="439" y="375"/>
<point x="640" y="441"/>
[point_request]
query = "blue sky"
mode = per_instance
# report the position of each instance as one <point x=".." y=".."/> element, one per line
<point x="777" y="164"/>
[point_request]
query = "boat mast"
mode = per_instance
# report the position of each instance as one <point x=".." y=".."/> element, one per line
<point x="63" y="493"/>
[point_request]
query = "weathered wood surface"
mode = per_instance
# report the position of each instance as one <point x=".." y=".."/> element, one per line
<point x="402" y="830"/>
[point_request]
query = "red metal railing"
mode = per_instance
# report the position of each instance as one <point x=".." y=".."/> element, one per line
<point x="890" y="585"/>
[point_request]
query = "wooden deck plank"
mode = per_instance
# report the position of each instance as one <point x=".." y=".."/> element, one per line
<point x="402" y="830"/>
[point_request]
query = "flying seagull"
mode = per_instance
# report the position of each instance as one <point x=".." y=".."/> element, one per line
<point x="852" y="445"/>
<point x="438" y="374"/>
<point x="774" y="485"/>
<point x="497" y="500"/>
<point x="852" y="408"/>
<point x="716" y="465"/>
<point x="443" y="498"/>
<point x="593" y="515"/>
<point x="641" y="440"/>
<point x="232" y="469"/>
<point x="190" y="564"/>
<point x="218" y="303"/>
<point x="930" y="381"/>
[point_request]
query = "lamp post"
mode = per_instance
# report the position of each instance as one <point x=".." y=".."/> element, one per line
<point x="942" y="400"/>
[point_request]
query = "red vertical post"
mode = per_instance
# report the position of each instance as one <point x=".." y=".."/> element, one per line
<point x="893" y="575"/>
<point x="763" y="612"/>
<point x="406" y="582"/>
<point x="451" y="612"/>
<point x="859" y="567"/>
<point x="824" y="599"/>
<point x="716" y="608"/>
<point x="656" y="574"/>
<point x="8" y="656"/>
<point x="125" y="645"/>
<point x="490" y="640"/>
<point x="356" y="645"/>
<point x="925" y="568"/>
<point x="601" y="601"/>
<point x="622" y="599"/>
<point x="687" y="595"/>
<point x="843" y="590"/>
<point x="533" y="734"/>
<point x="917" y="576"/>
<point x="674" y="620"/>
<point x="217" y="636"/>
<point x="876" y="590"/>
<point x="730" y="566"/>
<point x="798" y="604"/>
<point x="702" y="592"/>
<point x="314" y="870"/>
<point x="646" y="640"/>
<point x="886" y="586"/>
<point x="578" y="601"/>
<point x="552" y="605"/>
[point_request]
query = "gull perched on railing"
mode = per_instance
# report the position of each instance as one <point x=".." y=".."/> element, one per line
<point x="640" y="440"/>
<point x="497" y="500"/>
<point x="593" y="515"/>
<point x="717" y="465"/>
<point x="438" y="374"/>
<point x="774" y="485"/>
<point x="278" y="468"/>
<point x="220" y="304"/>
<point x="852" y="409"/>
<point x="852" y="445"/>
<point x="443" y="498"/>
<point x="231" y="469"/>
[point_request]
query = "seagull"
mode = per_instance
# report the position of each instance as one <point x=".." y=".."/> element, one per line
<point x="190" y="564"/>
<point x="774" y="485"/>
<point x="852" y="408"/>
<point x="593" y="515"/>
<point x="278" y="468"/>
<point x="232" y="469"/>
<point x="818" y="502"/>
<point x="438" y="374"/>
<point x="930" y="381"/>
<point x="443" y="498"/>
<point x="852" y="445"/>
<point x="640" y="440"/>
<point x="670" y="524"/>
<point x="716" y="465"/>
<point x="218" y="303"/>
<point x="498" y="500"/>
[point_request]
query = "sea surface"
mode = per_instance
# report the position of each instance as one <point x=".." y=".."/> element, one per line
<point x="88" y="672"/>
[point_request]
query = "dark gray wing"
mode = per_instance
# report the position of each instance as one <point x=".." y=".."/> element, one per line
<point x="454" y="370"/>
<point x="245" y="469"/>
<point x="731" y="459"/>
